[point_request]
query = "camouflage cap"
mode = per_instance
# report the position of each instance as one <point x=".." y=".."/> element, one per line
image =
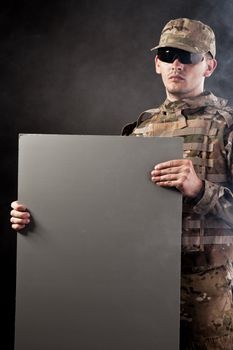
<point x="189" y="35"/>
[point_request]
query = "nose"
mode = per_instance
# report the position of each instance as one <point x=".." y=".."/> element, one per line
<point x="176" y="64"/>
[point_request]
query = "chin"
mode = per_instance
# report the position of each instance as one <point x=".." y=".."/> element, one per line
<point x="177" y="91"/>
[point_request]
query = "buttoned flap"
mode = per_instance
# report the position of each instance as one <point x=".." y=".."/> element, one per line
<point x="166" y="128"/>
<point x="197" y="127"/>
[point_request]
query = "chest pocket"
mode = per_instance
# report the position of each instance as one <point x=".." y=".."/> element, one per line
<point x="201" y="143"/>
<point x="203" y="146"/>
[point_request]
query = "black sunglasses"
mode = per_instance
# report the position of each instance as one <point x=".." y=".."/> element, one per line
<point x="170" y="54"/>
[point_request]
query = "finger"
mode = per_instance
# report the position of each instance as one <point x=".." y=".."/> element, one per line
<point x="166" y="183"/>
<point x="171" y="170"/>
<point x="169" y="183"/>
<point x="17" y="227"/>
<point x="18" y="206"/>
<point x="19" y="214"/>
<point x="19" y="221"/>
<point x="163" y="178"/>
<point x="169" y="164"/>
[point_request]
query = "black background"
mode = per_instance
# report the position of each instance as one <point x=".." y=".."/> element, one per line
<point x="83" y="67"/>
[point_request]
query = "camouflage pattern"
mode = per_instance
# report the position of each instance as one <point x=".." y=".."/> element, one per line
<point x="190" y="35"/>
<point x="206" y="309"/>
<point x="206" y="124"/>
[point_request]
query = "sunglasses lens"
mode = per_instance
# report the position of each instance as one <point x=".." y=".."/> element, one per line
<point x="169" y="55"/>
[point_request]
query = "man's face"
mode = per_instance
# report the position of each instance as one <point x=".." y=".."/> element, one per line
<point x="184" y="80"/>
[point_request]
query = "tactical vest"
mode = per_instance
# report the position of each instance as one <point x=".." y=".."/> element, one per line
<point x="202" y="122"/>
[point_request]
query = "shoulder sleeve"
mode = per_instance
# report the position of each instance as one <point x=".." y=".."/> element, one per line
<point x="128" y="128"/>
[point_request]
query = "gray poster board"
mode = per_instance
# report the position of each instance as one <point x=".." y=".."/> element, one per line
<point x="100" y="267"/>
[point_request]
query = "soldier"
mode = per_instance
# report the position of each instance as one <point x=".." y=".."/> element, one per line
<point x="185" y="56"/>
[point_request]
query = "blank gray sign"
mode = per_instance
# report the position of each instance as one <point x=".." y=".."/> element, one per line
<point x="99" y="269"/>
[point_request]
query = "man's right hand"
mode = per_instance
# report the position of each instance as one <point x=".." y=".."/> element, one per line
<point x="20" y="216"/>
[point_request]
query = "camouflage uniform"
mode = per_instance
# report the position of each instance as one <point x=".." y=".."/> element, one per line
<point x="206" y="124"/>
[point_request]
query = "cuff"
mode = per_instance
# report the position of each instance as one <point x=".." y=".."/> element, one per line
<point x="208" y="199"/>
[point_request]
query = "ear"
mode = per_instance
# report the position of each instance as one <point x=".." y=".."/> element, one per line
<point x="157" y="65"/>
<point x="211" y="65"/>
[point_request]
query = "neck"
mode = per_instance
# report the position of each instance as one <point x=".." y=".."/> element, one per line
<point x="173" y="95"/>
<point x="178" y="97"/>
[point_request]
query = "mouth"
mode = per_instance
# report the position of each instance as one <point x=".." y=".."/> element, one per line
<point x="176" y="77"/>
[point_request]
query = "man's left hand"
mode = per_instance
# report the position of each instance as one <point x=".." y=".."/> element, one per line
<point x="178" y="173"/>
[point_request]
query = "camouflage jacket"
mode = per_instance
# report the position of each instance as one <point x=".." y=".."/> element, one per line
<point x="206" y="124"/>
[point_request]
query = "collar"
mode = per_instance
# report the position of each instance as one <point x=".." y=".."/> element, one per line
<point x="207" y="98"/>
